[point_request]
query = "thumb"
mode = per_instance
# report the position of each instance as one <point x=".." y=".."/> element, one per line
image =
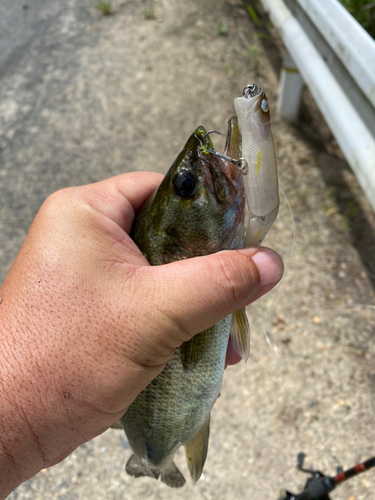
<point x="192" y="295"/>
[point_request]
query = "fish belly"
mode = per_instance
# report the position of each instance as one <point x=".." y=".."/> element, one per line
<point x="177" y="404"/>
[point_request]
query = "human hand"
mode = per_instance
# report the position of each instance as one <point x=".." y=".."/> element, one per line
<point x="86" y="323"/>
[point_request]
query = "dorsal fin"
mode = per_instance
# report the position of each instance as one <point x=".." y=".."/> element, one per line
<point x="240" y="334"/>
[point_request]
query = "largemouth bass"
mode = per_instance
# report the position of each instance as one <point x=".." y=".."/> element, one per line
<point x="198" y="209"/>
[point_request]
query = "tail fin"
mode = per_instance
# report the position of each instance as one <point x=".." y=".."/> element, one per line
<point x="172" y="477"/>
<point x="134" y="467"/>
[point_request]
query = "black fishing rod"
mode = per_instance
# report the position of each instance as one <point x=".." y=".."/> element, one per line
<point x="319" y="485"/>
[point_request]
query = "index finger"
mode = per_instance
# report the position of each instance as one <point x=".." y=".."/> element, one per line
<point x="120" y="197"/>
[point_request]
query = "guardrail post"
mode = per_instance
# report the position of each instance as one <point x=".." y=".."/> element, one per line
<point x="290" y="92"/>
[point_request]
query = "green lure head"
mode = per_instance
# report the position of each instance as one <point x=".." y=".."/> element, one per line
<point x="199" y="207"/>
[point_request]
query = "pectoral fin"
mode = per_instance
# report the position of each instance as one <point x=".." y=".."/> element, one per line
<point x="192" y="350"/>
<point x="196" y="451"/>
<point x="240" y="334"/>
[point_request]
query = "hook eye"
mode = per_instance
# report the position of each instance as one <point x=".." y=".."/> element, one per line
<point x="242" y="165"/>
<point x="250" y="90"/>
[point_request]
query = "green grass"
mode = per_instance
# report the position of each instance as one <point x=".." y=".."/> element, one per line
<point x="149" y="11"/>
<point x="222" y="29"/>
<point x="364" y="12"/>
<point x="253" y="52"/>
<point x="253" y="15"/>
<point x="105" y="7"/>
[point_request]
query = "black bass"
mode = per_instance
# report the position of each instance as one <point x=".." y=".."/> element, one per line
<point x="198" y="209"/>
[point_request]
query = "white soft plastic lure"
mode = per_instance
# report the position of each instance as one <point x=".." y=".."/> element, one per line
<point x="259" y="163"/>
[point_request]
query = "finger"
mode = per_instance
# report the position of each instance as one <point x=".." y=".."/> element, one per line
<point x="136" y="187"/>
<point x="192" y="295"/>
<point x="217" y="285"/>
<point x="120" y="197"/>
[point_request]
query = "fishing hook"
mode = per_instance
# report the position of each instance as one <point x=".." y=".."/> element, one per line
<point x="241" y="163"/>
<point x="212" y="132"/>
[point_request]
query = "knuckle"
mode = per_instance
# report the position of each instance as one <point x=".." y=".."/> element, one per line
<point x="229" y="277"/>
<point x="240" y="276"/>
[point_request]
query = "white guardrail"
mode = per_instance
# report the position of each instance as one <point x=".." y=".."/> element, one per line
<point x="335" y="57"/>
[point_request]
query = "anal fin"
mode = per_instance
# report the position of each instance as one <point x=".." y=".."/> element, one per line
<point x="240" y="334"/>
<point x="196" y="451"/>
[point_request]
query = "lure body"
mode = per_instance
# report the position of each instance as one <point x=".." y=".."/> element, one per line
<point x="258" y="150"/>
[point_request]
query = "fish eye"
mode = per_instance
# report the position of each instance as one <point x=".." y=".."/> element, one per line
<point x="184" y="184"/>
<point x="264" y="106"/>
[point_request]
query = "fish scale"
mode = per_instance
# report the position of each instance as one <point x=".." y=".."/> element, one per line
<point x="156" y="431"/>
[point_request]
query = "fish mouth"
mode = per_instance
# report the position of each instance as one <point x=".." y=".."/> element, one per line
<point x="221" y="172"/>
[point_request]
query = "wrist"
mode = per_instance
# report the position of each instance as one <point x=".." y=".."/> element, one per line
<point x="25" y="395"/>
<point x="19" y="459"/>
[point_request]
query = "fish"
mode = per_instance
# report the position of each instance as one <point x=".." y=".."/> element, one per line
<point x="198" y="209"/>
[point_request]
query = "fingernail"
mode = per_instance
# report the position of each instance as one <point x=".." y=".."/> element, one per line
<point x="270" y="266"/>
